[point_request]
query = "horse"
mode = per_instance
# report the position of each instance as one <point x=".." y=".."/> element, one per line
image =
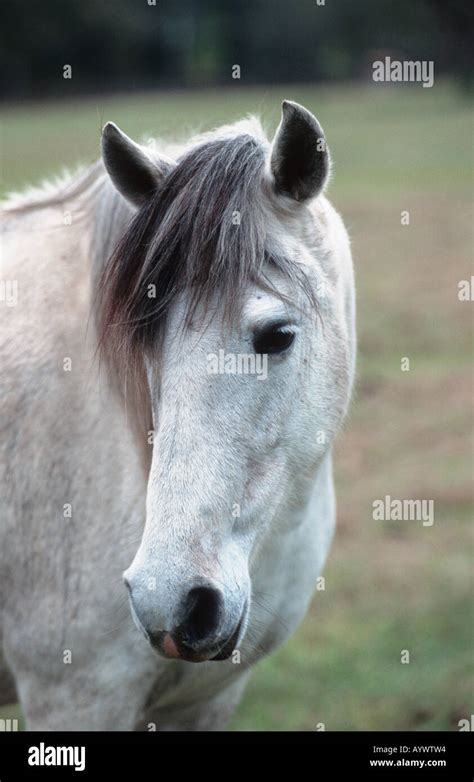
<point x="165" y="522"/>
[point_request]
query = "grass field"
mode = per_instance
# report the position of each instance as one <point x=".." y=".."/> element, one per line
<point x="390" y="586"/>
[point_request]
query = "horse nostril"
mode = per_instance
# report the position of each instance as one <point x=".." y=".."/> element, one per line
<point x="202" y="615"/>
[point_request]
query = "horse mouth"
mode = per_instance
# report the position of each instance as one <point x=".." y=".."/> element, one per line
<point x="226" y="651"/>
<point x="172" y="646"/>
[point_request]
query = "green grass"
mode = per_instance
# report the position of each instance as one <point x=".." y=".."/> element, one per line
<point x="388" y="587"/>
<point x="383" y="138"/>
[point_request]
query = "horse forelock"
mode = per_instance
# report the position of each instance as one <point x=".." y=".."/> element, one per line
<point x="202" y="233"/>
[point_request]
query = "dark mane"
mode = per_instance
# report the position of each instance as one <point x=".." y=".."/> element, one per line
<point x="203" y="232"/>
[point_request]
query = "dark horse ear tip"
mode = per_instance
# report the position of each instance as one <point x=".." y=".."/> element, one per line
<point x="110" y="129"/>
<point x="288" y="106"/>
<point x="292" y="109"/>
<point x="300" y="159"/>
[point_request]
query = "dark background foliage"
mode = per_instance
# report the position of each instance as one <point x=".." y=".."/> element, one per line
<point x="128" y="44"/>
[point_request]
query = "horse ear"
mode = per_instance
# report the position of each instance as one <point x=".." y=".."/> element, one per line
<point x="133" y="172"/>
<point x="299" y="160"/>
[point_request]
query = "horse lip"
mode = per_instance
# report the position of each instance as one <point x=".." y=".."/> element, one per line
<point x="187" y="654"/>
<point x="225" y="651"/>
<point x="136" y="620"/>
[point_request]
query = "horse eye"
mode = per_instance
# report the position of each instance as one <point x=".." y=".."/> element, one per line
<point x="274" y="339"/>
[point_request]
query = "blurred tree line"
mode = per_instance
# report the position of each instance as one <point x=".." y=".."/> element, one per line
<point x="138" y="44"/>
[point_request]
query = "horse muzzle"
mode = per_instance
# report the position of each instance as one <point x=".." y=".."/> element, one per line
<point x="203" y="632"/>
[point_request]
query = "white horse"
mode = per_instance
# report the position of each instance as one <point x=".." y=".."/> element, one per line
<point x="210" y="487"/>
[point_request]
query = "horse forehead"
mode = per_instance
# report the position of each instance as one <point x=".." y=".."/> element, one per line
<point x="206" y="323"/>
